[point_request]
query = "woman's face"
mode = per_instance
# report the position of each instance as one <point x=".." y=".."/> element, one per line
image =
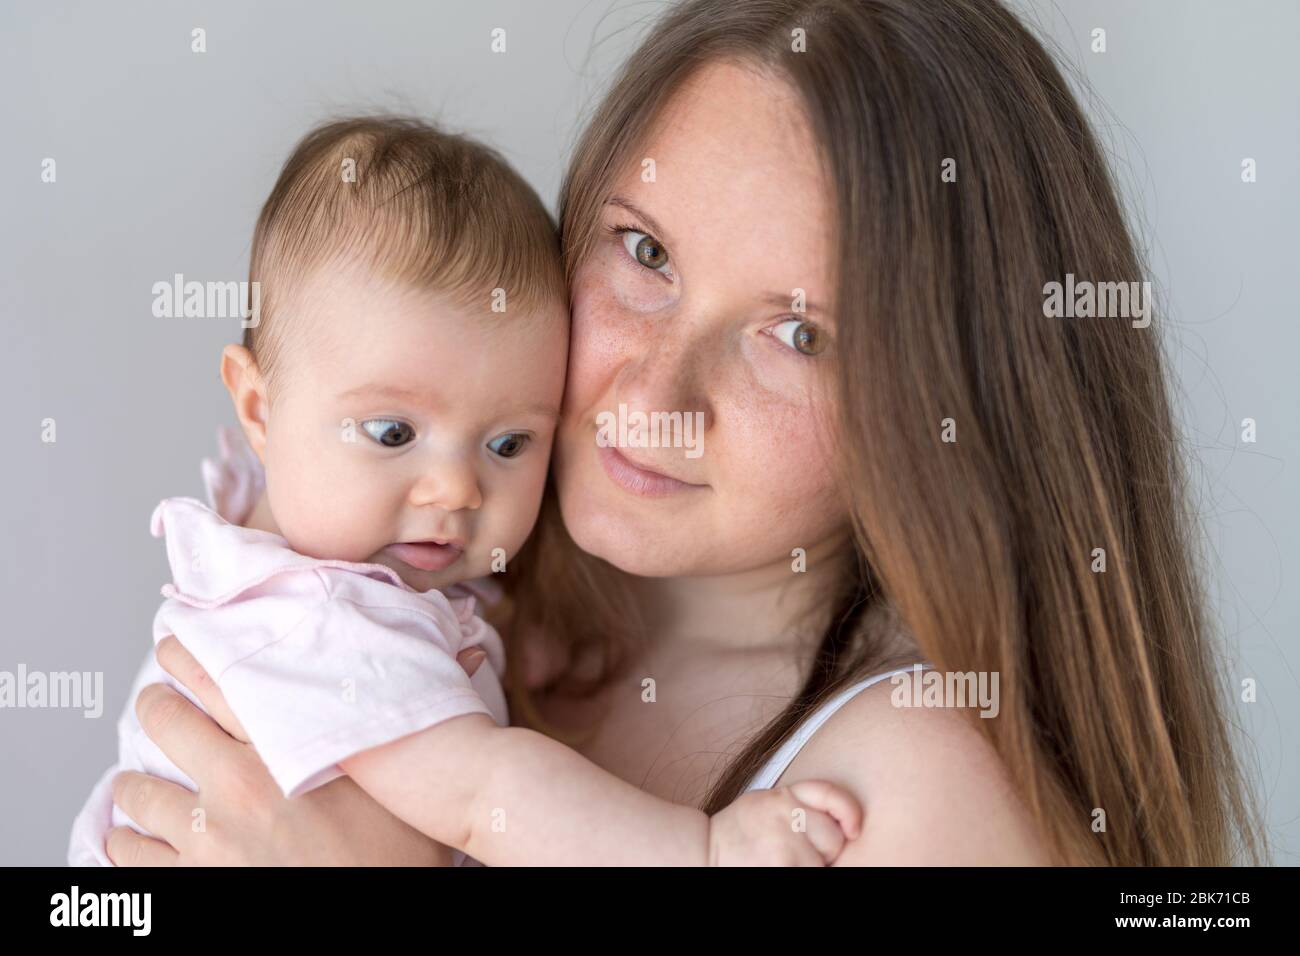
<point x="689" y="304"/>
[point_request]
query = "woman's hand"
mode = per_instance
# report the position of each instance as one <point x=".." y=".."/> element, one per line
<point x="238" y="816"/>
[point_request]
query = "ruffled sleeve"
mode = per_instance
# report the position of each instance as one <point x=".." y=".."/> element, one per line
<point x="234" y="480"/>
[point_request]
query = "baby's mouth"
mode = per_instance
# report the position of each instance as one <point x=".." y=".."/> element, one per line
<point x="426" y="555"/>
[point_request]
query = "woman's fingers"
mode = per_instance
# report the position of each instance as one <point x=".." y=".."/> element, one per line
<point x="160" y="806"/>
<point x="189" y="737"/>
<point x="125" y="847"/>
<point x="181" y="664"/>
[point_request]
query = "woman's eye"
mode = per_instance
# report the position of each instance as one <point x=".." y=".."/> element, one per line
<point x="389" y="433"/>
<point x="803" y="337"/>
<point x="509" y="445"/>
<point x="647" y="250"/>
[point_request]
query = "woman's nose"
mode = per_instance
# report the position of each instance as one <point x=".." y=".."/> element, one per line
<point x="448" y="485"/>
<point x="671" y="375"/>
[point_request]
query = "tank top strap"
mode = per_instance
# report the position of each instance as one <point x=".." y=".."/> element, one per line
<point x="776" y="765"/>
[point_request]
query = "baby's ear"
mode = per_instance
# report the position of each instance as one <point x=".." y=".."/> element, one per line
<point x="247" y="389"/>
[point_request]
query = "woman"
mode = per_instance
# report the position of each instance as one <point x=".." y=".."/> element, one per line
<point x="827" y="228"/>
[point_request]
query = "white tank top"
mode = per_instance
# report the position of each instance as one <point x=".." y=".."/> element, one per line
<point x="771" y="771"/>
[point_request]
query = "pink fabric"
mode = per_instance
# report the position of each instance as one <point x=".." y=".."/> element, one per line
<point x="319" y="659"/>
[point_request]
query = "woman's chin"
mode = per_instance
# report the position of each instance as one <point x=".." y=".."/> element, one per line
<point x="635" y="545"/>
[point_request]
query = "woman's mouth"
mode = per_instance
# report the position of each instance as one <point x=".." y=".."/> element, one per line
<point x="426" y="555"/>
<point x="638" y="479"/>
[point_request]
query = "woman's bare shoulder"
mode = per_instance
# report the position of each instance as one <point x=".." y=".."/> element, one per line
<point x="933" y="790"/>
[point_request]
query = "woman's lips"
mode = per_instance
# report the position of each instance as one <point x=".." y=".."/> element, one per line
<point x="639" y="481"/>
<point x="425" y="555"/>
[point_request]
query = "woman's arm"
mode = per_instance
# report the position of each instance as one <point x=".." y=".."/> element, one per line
<point x="245" y="818"/>
<point x="938" y="793"/>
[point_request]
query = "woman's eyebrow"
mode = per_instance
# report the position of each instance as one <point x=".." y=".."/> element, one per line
<point x="659" y="232"/>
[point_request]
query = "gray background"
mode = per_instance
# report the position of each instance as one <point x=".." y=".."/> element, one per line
<point x="165" y="156"/>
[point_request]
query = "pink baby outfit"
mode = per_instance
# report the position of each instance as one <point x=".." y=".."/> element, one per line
<point x="318" y="659"/>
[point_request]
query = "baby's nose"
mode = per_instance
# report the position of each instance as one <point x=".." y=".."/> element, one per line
<point x="450" y="487"/>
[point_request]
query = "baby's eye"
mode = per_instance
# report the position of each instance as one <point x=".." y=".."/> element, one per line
<point x="509" y="445"/>
<point x="647" y="250"/>
<point x="388" y="432"/>
<point x="804" y="337"/>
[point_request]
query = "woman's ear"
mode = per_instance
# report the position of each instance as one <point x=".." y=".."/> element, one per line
<point x="247" y="389"/>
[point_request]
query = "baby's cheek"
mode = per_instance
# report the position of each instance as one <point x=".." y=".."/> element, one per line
<point x="516" y="506"/>
<point x="324" y="506"/>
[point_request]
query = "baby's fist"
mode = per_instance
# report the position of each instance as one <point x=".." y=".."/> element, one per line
<point x="804" y="824"/>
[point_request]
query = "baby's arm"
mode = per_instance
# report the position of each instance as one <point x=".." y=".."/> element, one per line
<point x="511" y="796"/>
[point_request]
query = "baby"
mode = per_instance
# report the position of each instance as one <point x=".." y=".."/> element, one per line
<point x="397" y="394"/>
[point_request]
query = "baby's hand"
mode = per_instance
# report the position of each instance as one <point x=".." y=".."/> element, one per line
<point x="804" y="824"/>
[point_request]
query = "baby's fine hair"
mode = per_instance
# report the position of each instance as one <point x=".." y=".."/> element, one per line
<point x="416" y="205"/>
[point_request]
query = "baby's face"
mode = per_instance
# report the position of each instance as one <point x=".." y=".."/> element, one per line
<point x="408" y="432"/>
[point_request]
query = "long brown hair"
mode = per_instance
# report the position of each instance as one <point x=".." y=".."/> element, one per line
<point x="983" y="549"/>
